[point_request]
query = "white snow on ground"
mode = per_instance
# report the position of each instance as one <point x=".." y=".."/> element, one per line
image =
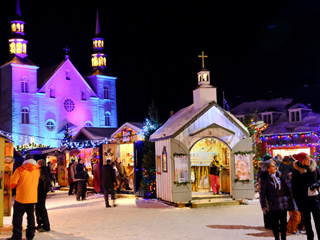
<point x="147" y="219"/>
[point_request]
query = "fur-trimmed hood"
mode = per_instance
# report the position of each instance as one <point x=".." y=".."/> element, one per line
<point x="312" y="167"/>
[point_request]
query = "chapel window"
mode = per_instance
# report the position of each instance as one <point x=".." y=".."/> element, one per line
<point x="18" y="27"/>
<point x="52" y="93"/>
<point x="100" y="61"/>
<point x="24" y="85"/>
<point x="107" y="117"/>
<point x="99" y="43"/>
<point x="13" y="27"/>
<point x="83" y="96"/>
<point x="19" y="47"/>
<point x="24" y="48"/>
<point x="50" y="125"/>
<point x="106" y="93"/>
<point x="12" y="48"/>
<point x="25" y="116"/>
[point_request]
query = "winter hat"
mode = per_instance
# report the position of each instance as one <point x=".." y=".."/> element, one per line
<point x="286" y="159"/>
<point x="42" y="163"/>
<point x="300" y="156"/>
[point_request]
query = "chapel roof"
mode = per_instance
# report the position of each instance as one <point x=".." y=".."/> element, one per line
<point x="186" y="116"/>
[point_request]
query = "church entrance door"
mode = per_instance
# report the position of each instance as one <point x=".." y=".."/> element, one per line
<point x="201" y="155"/>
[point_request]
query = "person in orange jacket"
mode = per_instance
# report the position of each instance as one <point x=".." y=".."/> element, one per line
<point x="25" y="179"/>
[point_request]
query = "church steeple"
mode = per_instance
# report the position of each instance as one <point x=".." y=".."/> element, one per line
<point x="98" y="58"/>
<point x="205" y="92"/>
<point x="17" y="44"/>
<point x="204" y="74"/>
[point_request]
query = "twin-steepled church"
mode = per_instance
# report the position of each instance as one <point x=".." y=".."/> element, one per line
<point x="36" y="105"/>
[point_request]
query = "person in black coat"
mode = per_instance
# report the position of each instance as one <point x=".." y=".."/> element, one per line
<point x="43" y="189"/>
<point x="81" y="179"/>
<point x="305" y="176"/>
<point x="109" y="182"/>
<point x="274" y="198"/>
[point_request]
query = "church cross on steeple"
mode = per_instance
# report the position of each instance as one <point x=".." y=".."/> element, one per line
<point x="66" y="49"/>
<point x="203" y="57"/>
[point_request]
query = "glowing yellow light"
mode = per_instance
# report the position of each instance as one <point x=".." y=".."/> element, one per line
<point x="21" y="27"/>
<point x="100" y="61"/>
<point x="102" y="43"/>
<point x="99" y="43"/>
<point x="24" y="48"/>
<point x="105" y="61"/>
<point x="205" y="77"/>
<point x="13" y="27"/>
<point x="18" y="27"/>
<point x="12" y="47"/>
<point x="19" y="47"/>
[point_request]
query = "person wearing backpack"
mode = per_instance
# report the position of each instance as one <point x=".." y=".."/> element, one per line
<point x="43" y="189"/>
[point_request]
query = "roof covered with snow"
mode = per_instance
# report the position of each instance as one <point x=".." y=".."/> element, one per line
<point x="186" y="116"/>
<point x="245" y="108"/>
<point x="310" y="121"/>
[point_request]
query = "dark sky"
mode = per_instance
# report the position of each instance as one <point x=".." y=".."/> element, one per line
<point x="253" y="46"/>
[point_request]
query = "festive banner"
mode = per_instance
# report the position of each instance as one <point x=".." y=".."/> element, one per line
<point x="181" y="169"/>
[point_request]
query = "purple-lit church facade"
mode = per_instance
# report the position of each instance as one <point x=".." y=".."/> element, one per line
<point x="36" y="104"/>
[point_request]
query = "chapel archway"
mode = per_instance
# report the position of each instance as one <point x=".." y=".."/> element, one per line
<point x="201" y="154"/>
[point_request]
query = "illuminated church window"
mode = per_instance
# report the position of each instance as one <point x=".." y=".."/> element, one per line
<point x="24" y="85"/>
<point x="24" y="48"/>
<point x="106" y="93"/>
<point x="205" y="77"/>
<point x="19" y="47"/>
<point x="50" y="125"/>
<point x="18" y="27"/>
<point x="68" y="105"/>
<point x="95" y="61"/>
<point x="102" y="43"/>
<point x="25" y="116"/>
<point x="100" y="61"/>
<point x="22" y="26"/>
<point x="99" y="43"/>
<point x="13" y="27"/>
<point x="95" y="43"/>
<point x="12" y="48"/>
<point x="107" y="116"/>
<point x="104" y="61"/>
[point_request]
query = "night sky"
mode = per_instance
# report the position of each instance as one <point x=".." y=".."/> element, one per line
<point x="252" y="46"/>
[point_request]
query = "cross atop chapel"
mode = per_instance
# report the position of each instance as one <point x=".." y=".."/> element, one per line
<point x="203" y="57"/>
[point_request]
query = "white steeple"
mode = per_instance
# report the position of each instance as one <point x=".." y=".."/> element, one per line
<point x="205" y="92"/>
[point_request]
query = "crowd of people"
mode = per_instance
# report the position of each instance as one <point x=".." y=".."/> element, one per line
<point x="290" y="185"/>
<point x="38" y="178"/>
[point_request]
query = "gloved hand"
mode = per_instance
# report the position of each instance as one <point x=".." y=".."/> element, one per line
<point x="314" y="186"/>
<point x="265" y="210"/>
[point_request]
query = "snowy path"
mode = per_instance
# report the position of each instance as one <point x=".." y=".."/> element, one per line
<point x="142" y="219"/>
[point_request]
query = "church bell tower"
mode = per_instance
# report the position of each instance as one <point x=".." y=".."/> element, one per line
<point x="98" y="58"/>
<point x="17" y="43"/>
<point x="205" y="92"/>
